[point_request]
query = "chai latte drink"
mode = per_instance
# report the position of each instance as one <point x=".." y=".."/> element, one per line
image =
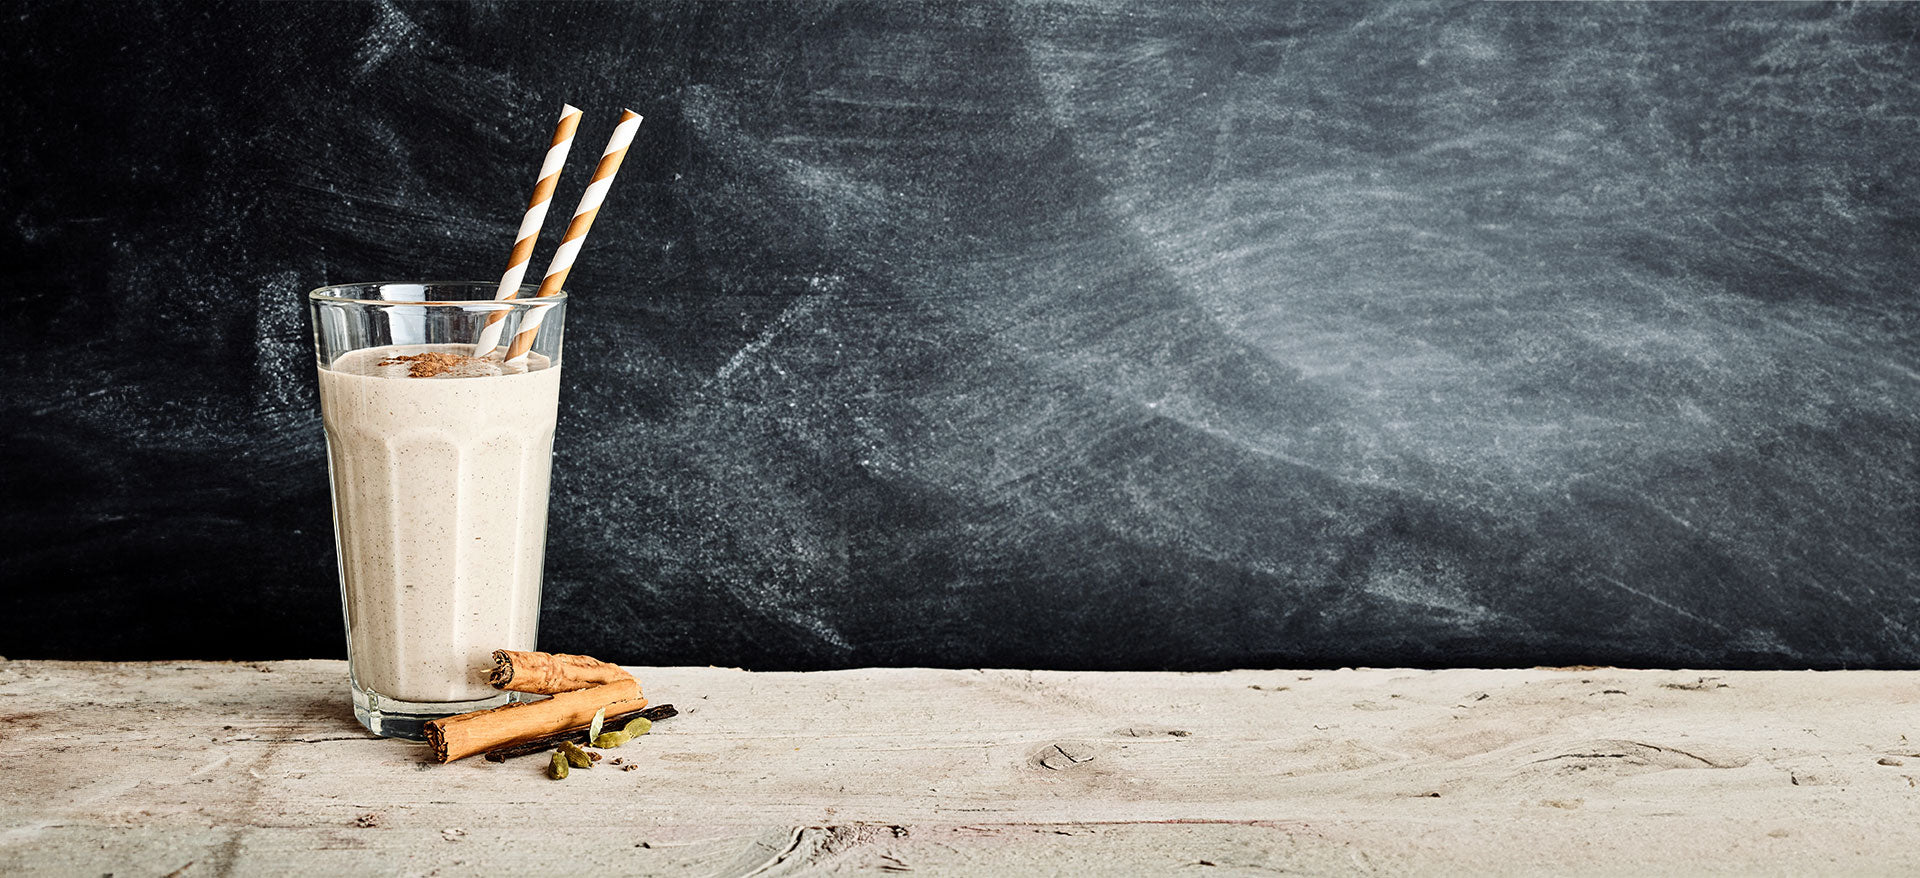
<point x="440" y="463"/>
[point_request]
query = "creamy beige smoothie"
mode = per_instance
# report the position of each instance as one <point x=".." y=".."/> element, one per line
<point x="440" y="464"/>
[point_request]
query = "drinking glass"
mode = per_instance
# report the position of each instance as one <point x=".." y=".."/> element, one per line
<point x="439" y="465"/>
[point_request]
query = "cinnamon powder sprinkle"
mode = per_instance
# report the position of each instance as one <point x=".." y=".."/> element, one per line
<point x="429" y="364"/>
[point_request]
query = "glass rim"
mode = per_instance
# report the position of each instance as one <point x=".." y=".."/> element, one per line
<point x="525" y="298"/>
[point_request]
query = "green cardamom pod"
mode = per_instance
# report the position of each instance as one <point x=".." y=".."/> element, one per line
<point x="638" y="726"/>
<point x="575" y="755"/>
<point x="557" y="767"/>
<point x="609" y="740"/>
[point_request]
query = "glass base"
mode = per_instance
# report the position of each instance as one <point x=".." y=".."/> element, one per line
<point x="393" y="718"/>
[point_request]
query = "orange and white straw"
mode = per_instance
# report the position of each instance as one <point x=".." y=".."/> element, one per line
<point x="530" y="224"/>
<point x="576" y="235"/>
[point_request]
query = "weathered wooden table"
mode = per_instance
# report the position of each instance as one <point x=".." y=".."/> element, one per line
<point x="183" y="768"/>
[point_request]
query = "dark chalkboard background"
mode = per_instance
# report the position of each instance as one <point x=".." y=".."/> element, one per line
<point x="1186" y="335"/>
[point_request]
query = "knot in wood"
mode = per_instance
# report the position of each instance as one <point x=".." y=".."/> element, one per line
<point x="1062" y="755"/>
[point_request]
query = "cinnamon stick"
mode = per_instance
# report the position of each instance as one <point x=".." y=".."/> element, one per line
<point x="547" y="673"/>
<point x="455" y="737"/>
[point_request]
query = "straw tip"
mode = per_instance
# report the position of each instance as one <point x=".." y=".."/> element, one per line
<point x="568" y="110"/>
<point x="626" y="114"/>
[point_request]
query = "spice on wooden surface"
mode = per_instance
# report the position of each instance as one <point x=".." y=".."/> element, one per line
<point x="456" y="737"/>
<point x="576" y="755"/>
<point x="578" y="734"/>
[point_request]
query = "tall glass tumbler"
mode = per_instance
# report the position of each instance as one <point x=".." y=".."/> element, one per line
<point x="440" y="462"/>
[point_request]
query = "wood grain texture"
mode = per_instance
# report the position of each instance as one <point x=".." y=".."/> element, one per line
<point x="219" y="769"/>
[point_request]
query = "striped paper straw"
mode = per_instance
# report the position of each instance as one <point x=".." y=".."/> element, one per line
<point x="536" y="216"/>
<point x="576" y="236"/>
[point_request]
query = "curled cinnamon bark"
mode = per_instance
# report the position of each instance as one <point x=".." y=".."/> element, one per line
<point x="546" y="673"/>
